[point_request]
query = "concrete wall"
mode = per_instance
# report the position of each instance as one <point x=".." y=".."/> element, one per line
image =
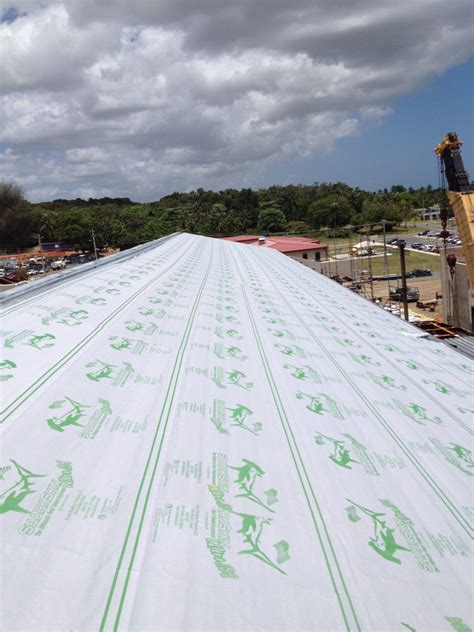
<point x="328" y="268"/>
<point x="311" y="255"/>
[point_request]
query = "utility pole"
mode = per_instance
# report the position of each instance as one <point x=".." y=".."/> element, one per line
<point x="385" y="257"/>
<point x="40" y="244"/>
<point x="369" y="255"/>
<point x="351" y="257"/>
<point x="93" y="242"/>
<point x="385" y="260"/>
<point x="334" y="207"/>
<point x="401" y="246"/>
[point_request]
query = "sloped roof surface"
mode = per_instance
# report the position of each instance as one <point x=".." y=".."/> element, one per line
<point x="282" y="244"/>
<point x="213" y="437"/>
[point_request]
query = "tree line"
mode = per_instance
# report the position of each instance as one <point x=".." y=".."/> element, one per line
<point x="122" y="223"/>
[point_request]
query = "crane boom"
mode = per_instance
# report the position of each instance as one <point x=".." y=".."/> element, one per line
<point x="460" y="195"/>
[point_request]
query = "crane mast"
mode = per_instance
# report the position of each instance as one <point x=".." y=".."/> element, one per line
<point x="460" y="195"/>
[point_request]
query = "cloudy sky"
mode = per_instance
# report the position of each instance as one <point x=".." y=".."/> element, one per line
<point x="141" y="98"/>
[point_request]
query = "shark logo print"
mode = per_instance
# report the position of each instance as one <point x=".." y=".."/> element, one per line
<point x="239" y="414"/>
<point x="233" y="333"/>
<point x="463" y="454"/>
<point x="457" y="455"/>
<point x="99" y="301"/>
<point x="120" y="345"/>
<point x="290" y="350"/>
<point x="29" y="338"/>
<point x="320" y="404"/>
<point x="363" y="359"/>
<point x="445" y="389"/>
<point x="303" y="373"/>
<point x="231" y="378"/>
<point x="11" y="499"/>
<point x="340" y="455"/>
<point x="387" y="382"/>
<point x="235" y="352"/>
<point x="133" y="325"/>
<point x="247" y="475"/>
<point x="251" y="530"/>
<point x="383" y="540"/>
<point x="230" y="333"/>
<point x="41" y="341"/>
<point x="235" y="377"/>
<point x="231" y="352"/>
<point x="69" y="317"/>
<point x="104" y="371"/>
<point x="250" y="526"/>
<point x="418" y="413"/>
<point x="5" y="367"/>
<point x="70" y="417"/>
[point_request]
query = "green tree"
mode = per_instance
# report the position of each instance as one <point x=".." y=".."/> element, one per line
<point x="271" y="218"/>
<point x="74" y="227"/>
<point x="374" y="211"/>
<point x="296" y="227"/>
<point x="247" y="218"/>
<point x="218" y="219"/>
<point x="19" y="221"/>
<point x="331" y="211"/>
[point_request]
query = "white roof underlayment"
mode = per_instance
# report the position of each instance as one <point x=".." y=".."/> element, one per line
<point x="214" y="437"/>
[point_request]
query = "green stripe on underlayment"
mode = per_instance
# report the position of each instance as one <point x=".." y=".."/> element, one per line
<point x="449" y="504"/>
<point x="427" y="394"/>
<point x="20" y="399"/>
<point x="437" y="402"/>
<point x="164" y="415"/>
<point x="458" y="516"/>
<point x="307" y="486"/>
<point x="446" y="369"/>
<point x="65" y="284"/>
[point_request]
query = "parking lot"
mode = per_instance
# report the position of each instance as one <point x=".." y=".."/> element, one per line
<point x="426" y="241"/>
<point x="13" y="271"/>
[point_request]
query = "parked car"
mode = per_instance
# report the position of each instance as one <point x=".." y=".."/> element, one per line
<point x="413" y="294"/>
<point x="417" y="246"/>
<point x="423" y="233"/>
<point x="393" y="242"/>
<point x="12" y="275"/>
<point x="419" y="272"/>
<point x="59" y="264"/>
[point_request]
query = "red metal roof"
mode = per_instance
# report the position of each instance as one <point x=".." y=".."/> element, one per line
<point x="242" y="238"/>
<point x="282" y="244"/>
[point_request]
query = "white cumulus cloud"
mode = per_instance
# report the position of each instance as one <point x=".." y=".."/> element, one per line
<point x="140" y="98"/>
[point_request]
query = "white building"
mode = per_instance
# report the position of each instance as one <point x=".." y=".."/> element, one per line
<point x="431" y="213"/>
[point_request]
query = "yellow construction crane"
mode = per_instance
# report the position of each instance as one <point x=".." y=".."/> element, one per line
<point x="460" y="197"/>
